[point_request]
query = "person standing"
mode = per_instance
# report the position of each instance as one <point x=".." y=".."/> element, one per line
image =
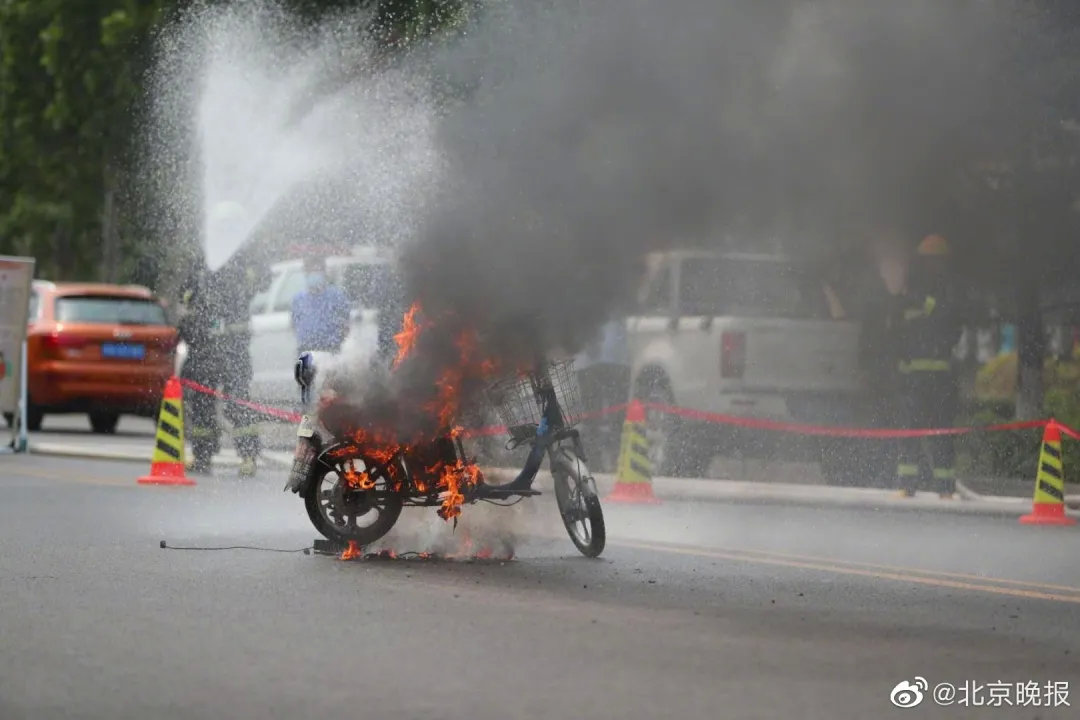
<point x="321" y="312"/>
<point x="603" y="370"/>
<point x="216" y="328"/>
<point x="927" y="326"/>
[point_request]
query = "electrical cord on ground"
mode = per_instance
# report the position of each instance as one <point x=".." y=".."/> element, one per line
<point x="306" y="550"/>
<point x="502" y="504"/>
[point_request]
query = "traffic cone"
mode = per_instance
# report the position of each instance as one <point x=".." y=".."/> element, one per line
<point x="167" y="464"/>
<point x="633" y="483"/>
<point x="1049" y="505"/>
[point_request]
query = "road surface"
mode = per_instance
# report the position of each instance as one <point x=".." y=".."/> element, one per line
<point x="694" y="611"/>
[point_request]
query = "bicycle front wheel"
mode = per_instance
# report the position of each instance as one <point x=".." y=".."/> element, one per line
<point x="579" y="506"/>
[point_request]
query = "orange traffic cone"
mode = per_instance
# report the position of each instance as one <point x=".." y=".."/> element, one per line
<point x="1048" y="507"/>
<point x="633" y="484"/>
<point x="167" y="464"/>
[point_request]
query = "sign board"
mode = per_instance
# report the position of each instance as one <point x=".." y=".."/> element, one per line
<point x="16" y="276"/>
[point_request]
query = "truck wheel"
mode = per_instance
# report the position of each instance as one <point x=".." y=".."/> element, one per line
<point x="857" y="463"/>
<point x="838" y="464"/>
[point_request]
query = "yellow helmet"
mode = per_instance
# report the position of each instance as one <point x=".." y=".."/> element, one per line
<point x="933" y="245"/>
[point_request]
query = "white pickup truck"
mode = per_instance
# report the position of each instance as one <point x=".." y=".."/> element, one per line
<point x="745" y="335"/>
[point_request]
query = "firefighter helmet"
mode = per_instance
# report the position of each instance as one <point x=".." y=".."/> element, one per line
<point x="933" y="245"/>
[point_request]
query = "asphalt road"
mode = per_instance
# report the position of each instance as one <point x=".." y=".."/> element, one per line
<point x="694" y="611"/>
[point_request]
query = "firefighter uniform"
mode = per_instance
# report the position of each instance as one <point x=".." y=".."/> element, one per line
<point x="927" y="329"/>
<point x="216" y="329"/>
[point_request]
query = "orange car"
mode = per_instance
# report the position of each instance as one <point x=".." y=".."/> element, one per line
<point x="105" y="350"/>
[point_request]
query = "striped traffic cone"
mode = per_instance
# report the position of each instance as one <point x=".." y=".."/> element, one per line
<point x="167" y="464"/>
<point x="633" y="483"/>
<point x="1049" y="505"/>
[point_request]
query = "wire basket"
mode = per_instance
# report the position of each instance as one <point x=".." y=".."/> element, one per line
<point x="516" y="402"/>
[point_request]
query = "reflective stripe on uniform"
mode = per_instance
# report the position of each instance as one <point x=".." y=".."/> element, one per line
<point x="246" y="431"/>
<point x="944" y="473"/>
<point x="924" y="365"/>
<point x="199" y="431"/>
<point x="927" y="307"/>
<point x="907" y="470"/>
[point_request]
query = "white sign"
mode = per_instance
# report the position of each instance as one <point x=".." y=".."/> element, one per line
<point x="16" y="276"/>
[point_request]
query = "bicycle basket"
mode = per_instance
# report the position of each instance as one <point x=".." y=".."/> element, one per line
<point x="515" y="398"/>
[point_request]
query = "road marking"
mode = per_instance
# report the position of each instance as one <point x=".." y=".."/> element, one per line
<point x="827" y="565"/>
<point x="72" y="477"/>
<point x="918" y="571"/>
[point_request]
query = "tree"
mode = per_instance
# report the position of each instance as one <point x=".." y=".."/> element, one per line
<point x="68" y="78"/>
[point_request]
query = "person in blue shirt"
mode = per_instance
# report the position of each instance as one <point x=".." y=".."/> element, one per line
<point x="603" y="370"/>
<point x="320" y="313"/>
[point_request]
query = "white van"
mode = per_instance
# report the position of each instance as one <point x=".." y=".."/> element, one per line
<point x="364" y="275"/>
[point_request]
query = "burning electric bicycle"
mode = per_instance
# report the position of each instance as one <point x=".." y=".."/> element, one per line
<point x="353" y="493"/>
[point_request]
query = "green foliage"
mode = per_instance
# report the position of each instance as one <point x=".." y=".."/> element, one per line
<point x="1014" y="454"/>
<point x="997" y="454"/>
<point x="68" y="78"/>
<point x="70" y="82"/>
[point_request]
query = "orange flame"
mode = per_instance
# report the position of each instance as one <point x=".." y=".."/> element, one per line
<point x="381" y="445"/>
<point x="352" y="552"/>
<point x="410" y="333"/>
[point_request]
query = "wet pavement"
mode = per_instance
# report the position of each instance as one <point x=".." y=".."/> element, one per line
<point x="734" y="610"/>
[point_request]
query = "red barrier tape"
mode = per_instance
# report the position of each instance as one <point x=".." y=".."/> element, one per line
<point x="286" y="415"/>
<point x="701" y="415"/>
<point x="490" y="430"/>
<point x="838" y="431"/>
<point x="1066" y="429"/>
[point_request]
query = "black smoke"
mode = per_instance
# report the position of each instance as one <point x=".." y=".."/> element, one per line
<point x="581" y="135"/>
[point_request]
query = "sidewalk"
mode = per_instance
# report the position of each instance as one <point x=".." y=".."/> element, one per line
<point x="665" y="488"/>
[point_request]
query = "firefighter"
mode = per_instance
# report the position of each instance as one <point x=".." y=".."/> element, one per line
<point x="927" y="326"/>
<point x="216" y="328"/>
<point x="877" y="353"/>
<point x="201" y="366"/>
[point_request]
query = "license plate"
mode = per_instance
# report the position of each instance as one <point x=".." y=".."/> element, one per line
<point x="307" y="427"/>
<point x="123" y="351"/>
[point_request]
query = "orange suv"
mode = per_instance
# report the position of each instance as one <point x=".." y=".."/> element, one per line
<point x="105" y="350"/>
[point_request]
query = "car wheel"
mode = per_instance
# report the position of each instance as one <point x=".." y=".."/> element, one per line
<point x="104" y="423"/>
<point x="35" y="416"/>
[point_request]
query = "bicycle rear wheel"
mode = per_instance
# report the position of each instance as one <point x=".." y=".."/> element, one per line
<point x="575" y="493"/>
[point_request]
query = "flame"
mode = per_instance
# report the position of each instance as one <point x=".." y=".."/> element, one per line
<point x="410" y="333"/>
<point x="352" y="552"/>
<point x="382" y="446"/>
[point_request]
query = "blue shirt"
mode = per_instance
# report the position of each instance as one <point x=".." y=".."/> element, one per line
<point x="610" y="347"/>
<point x="321" y="319"/>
